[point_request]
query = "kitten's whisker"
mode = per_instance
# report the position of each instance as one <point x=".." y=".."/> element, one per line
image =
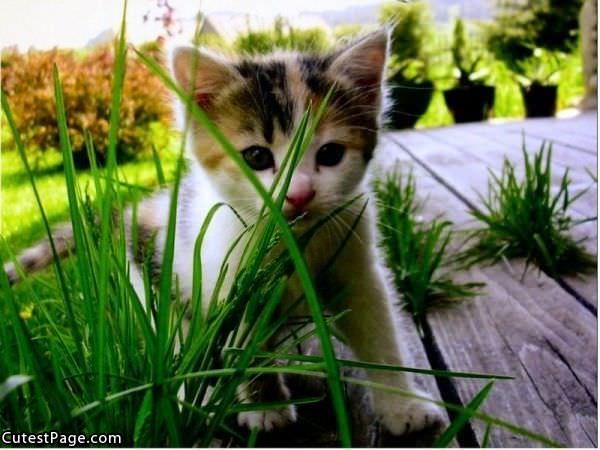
<point x="341" y="221"/>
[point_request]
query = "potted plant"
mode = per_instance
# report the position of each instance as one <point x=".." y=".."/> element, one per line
<point x="409" y="86"/>
<point x="531" y="38"/>
<point x="470" y="100"/>
<point x="538" y="77"/>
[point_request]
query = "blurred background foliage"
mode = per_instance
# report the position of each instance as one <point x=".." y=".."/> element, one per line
<point x="87" y="80"/>
<point x="421" y="51"/>
<point x="283" y="36"/>
<point x="526" y="41"/>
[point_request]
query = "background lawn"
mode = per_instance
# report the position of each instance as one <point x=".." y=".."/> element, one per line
<point x="21" y="223"/>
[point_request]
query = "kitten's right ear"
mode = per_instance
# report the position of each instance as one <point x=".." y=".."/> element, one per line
<point x="201" y="73"/>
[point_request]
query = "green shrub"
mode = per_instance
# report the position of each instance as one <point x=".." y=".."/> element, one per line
<point x="542" y="68"/>
<point x="467" y="57"/>
<point x="411" y="28"/>
<point x="281" y="37"/>
<point x="211" y="40"/>
<point x="347" y="31"/>
<point x="520" y="27"/>
<point x="27" y="81"/>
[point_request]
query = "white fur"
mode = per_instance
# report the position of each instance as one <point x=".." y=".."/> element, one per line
<point x="369" y="328"/>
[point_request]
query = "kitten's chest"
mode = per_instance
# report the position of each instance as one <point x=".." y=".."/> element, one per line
<point x="328" y="261"/>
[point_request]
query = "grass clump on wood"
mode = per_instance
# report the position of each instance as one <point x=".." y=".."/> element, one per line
<point x="416" y="252"/>
<point x="528" y="218"/>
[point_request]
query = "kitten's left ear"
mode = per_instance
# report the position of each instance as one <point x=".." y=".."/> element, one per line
<point x="363" y="61"/>
<point x="202" y="73"/>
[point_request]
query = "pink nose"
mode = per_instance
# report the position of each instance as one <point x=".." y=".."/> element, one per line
<point x="300" y="199"/>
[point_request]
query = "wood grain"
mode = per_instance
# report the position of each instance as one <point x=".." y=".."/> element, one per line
<point x="529" y="327"/>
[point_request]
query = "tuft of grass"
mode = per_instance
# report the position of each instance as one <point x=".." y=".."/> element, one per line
<point x="97" y="361"/>
<point x="528" y="218"/>
<point x="463" y="418"/>
<point x="416" y="252"/>
<point x="100" y="361"/>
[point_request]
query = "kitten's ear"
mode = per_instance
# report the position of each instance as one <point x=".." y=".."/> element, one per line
<point x="363" y="61"/>
<point x="201" y="73"/>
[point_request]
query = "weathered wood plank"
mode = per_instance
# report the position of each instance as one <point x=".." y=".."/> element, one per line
<point x="494" y="147"/>
<point x="586" y="286"/>
<point x="566" y="141"/>
<point x="527" y="330"/>
<point x="563" y="155"/>
<point x="577" y="133"/>
<point x="525" y="327"/>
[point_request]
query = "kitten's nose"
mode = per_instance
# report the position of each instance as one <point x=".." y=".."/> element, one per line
<point x="301" y="191"/>
<point x="300" y="200"/>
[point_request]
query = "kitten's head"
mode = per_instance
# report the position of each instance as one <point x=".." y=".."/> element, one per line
<point x="258" y="103"/>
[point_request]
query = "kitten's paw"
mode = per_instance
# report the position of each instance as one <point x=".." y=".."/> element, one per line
<point x="267" y="420"/>
<point x="409" y="416"/>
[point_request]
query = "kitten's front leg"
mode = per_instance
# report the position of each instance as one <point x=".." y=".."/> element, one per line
<point x="371" y="332"/>
<point x="266" y="388"/>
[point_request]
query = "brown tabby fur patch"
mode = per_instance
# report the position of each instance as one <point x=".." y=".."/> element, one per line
<point x="266" y="101"/>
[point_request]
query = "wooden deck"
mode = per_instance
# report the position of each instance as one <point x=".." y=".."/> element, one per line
<point x="540" y="330"/>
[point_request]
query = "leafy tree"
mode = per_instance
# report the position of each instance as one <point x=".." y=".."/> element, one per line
<point x="282" y="36"/>
<point x="411" y="29"/>
<point x="521" y="26"/>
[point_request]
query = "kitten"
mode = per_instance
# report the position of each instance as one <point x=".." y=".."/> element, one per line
<point x="257" y="103"/>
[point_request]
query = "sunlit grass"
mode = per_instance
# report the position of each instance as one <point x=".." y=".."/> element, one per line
<point x="417" y="252"/>
<point x="525" y="217"/>
<point x="20" y="215"/>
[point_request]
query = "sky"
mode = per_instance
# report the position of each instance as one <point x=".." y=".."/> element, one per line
<point x="72" y="23"/>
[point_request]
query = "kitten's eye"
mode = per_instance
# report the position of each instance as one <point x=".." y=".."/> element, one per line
<point x="258" y="158"/>
<point x="330" y="154"/>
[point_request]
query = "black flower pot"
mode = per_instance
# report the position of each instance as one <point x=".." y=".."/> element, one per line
<point x="409" y="101"/>
<point x="470" y="103"/>
<point x="540" y="100"/>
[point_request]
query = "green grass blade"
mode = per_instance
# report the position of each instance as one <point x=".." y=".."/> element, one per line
<point x="486" y="437"/>
<point x="158" y="165"/>
<point x="106" y="211"/>
<point x="375" y="366"/>
<point x="461" y="420"/>
<point x="85" y="273"/>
